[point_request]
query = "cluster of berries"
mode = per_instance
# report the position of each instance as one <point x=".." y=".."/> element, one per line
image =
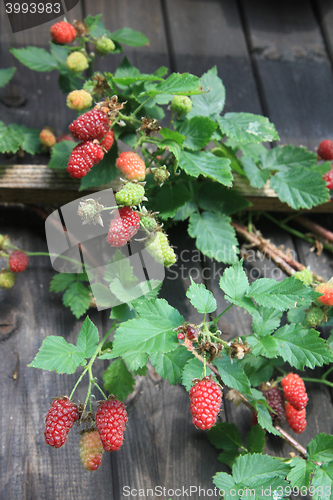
<point x="92" y="128"/>
<point x="325" y="152"/>
<point x="17" y="262"/>
<point x="106" y="435"/>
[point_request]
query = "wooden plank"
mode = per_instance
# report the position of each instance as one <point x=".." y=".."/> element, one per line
<point x="205" y="34"/>
<point x="293" y="68"/>
<point x="324" y="10"/>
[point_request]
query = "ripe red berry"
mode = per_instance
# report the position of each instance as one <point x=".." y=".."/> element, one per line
<point x="91" y="449"/>
<point x="93" y="124"/>
<point x="18" y="261"/>
<point x="62" y="32"/>
<point x="192" y="332"/>
<point x="206" y="397"/>
<point x="83" y="157"/>
<point x="296" y="419"/>
<point x="294" y="391"/>
<point x="325" y="150"/>
<point x="180" y="336"/>
<point x="131" y="165"/>
<point x="110" y="419"/>
<point x="327" y="290"/>
<point x="328" y="177"/>
<point x="59" y="420"/>
<point x="275" y="400"/>
<point x="125" y="225"/>
<point x="108" y="140"/>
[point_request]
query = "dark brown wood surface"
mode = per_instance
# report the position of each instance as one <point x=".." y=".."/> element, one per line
<point x="275" y="58"/>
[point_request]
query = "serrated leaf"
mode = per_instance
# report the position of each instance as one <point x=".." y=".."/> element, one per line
<point x="185" y="211"/>
<point x="5" y="75"/>
<point x="320" y="449"/>
<point x="250" y="469"/>
<point x="9" y="140"/>
<point x="176" y="84"/>
<point x="300" y="188"/>
<point x="138" y="292"/>
<point x="69" y="81"/>
<point x="287" y="158"/>
<point x="170" y="365"/>
<point x="300" y="474"/>
<point x="281" y="295"/>
<point x="215" y="237"/>
<point x="77" y="298"/>
<point x="257" y="177"/>
<point x="29" y="141"/>
<point x="265" y="346"/>
<point x="297" y="315"/>
<point x="228" y="457"/>
<point x="214" y="197"/>
<point x="57" y="354"/>
<point x="192" y="370"/>
<point x="253" y="151"/>
<point x="130" y="37"/>
<point x="151" y="332"/>
<point x="122" y="313"/>
<point x="322" y="482"/>
<point x="246" y="127"/>
<point x="88" y="338"/>
<point x="257" y="369"/>
<point x="206" y="164"/>
<point x="232" y="374"/>
<point x="59" y="52"/>
<point x="61" y="281"/>
<point x="96" y="26"/>
<point x="211" y="102"/>
<point x="302" y="347"/>
<point x="60" y="154"/>
<point x="169" y="198"/>
<point x="264" y="418"/>
<point x="225" y="436"/>
<point x="102" y="295"/>
<point x="202" y="299"/>
<point x="234" y="281"/>
<point x="265" y="321"/>
<point x="134" y="360"/>
<point x="118" y="380"/>
<point x="172" y="135"/>
<point x="102" y="173"/>
<point x="35" y="58"/>
<point x="255" y="439"/>
<point x="198" y="131"/>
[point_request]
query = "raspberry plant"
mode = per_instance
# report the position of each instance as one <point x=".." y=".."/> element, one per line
<point x="188" y="169"/>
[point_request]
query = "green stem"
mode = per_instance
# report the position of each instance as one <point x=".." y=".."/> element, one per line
<point x="215" y="320"/>
<point x="223" y="342"/>
<point x="318" y="381"/>
<point x="327" y="373"/>
<point x="100" y="390"/>
<point x="171" y="119"/>
<point x="139" y="107"/>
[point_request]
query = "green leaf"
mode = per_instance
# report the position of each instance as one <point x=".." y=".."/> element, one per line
<point x="139" y="292"/>
<point x="185" y="211"/>
<point x="88" y="338"/>
<point x="77" y="298"/>
<point x="10" y="140"/>
<point x="102" y="173"/>
<point x="61" y="281"/>
<point x="96" y="26"/>
<point x="322" y="482"/>
<point x="169" y="198"/>
<point x="122" y="313"/>
<point x="170" y="365"/>
<point x="129" y="37"/>
<point x="257" y="177"/>
<point x="246" y="127"/>
<point x="265" y="320"/>
<point x="5" y="75"/>
<point x="265" y="346"/>
<point x="69" y="81"/>
<point x="301" y="347"/>
<point x="297" y="315"/>
<point x="193" y="369"/>
<point x="264" y="419"/>
<point x="320" y="449"/>
<point x="198" y="131"/>
<point x="232" y="374"/>
<point x="211" y="102"/>
<point x="281" y="295"/>
<point x="215" y="197"/>
<point x="300" y="474"/>
<point x="225" y="436"/>
<point x="57" y="354"/>
<point x="228" y="457"/>
<point x="257" y="369"/>
<point x="176" y="84"/>
<point x="287" y="158"/>
<point x="35" y="58"/>
<point x="172" y="135"/>
<point x="151" y="332"/>
<point x="201" y="298"/>
<point x="234" y="281"/>
<point x="118" y="380"/>
<point x="59" y="52"/>
<point x="60" y="154"/>
<point x="30" y="141"/>
<point x="254" y="150"/>
<point x="206" y="164"/>
<point x="255" y="439"/>
<point x="300" y="188"/>
<point x="102" y="295"/>
<point x="134" y="360"/>
<point x="215" y="237"/>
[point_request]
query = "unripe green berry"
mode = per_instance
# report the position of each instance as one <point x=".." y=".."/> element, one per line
<point x="7" y="279"/>
<point x="305" y="276"/>
<point x="105" y="45"/>
<point x="130" y="194"/>
<point x="149" y="222"/>
<point x="181" y="104"/>
<point x="77" y="62"/>
<point x="161" y="174"/>
<point x="314" y="316"/>
<point x="4" y="242"/>
<point x="79" y="99"/>
<point x="159" y="248"/>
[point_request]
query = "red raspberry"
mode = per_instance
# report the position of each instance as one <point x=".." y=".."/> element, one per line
<point x="83" y="157"/>
<point x="325" y="150"/>
<point x="62" y="32"/>
<point x="206" y="397"/>
<point x="294" y="391"/>
<point x="93" y="124"/>
<point x="91" y="449"/>
<point x="111" y="418"/>
<point x="275" y="400"/>
<point x="296" y="419"/>
<point x="59" y="420"/>
<point x="108" y="140"/>
<point x="328" y="177"/>
<point x="327" y="290"/>
<point x="192" y="332"/>
<point x="18" y="261"/>
<point x="131" y="165"/>
<point x="180" y="336"/>
<point x="125" y="225"/>
<point x="91" y="149"/>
